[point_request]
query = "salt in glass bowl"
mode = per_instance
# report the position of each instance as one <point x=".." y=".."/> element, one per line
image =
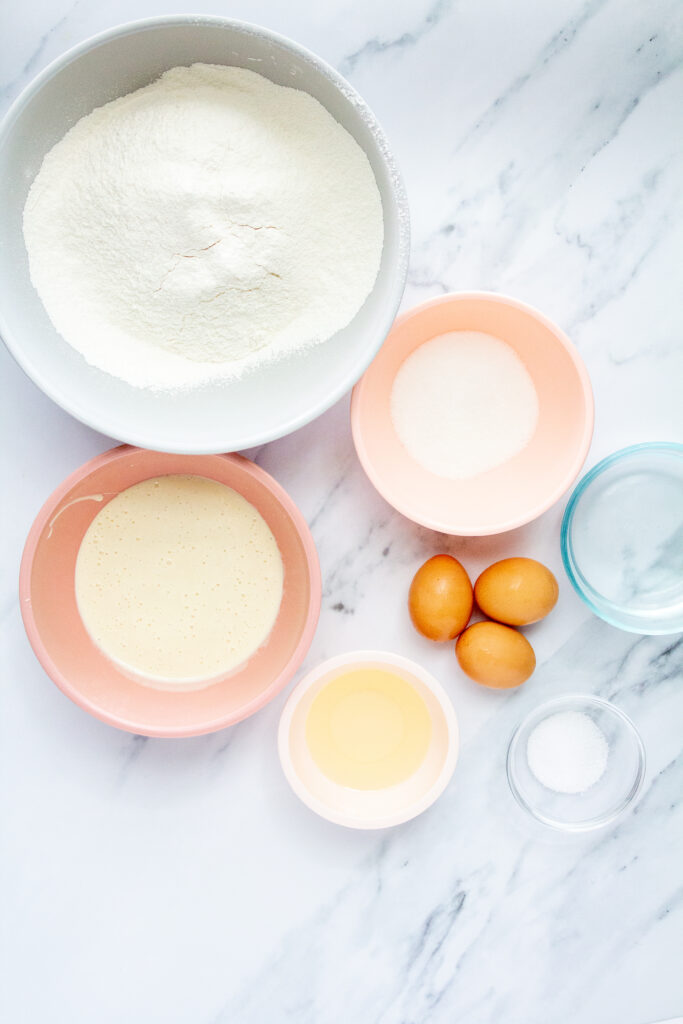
<point x="604" y="801"/>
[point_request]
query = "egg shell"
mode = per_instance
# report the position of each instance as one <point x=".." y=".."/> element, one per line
<point x="441" y="598"/>
<point x="495" y="655"/>
<point x="516" y="591"/>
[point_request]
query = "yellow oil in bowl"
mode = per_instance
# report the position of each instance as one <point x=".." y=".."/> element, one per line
<point x="368" y="729"/>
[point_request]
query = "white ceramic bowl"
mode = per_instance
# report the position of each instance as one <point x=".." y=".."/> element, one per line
<point x="372" y="808"/>
<point x="263" y="405"/>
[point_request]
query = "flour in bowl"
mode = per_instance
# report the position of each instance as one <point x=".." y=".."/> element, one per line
<point x="202" y="226"/>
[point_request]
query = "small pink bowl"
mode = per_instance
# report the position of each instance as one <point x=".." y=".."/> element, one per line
<point x="78" y="667"/>
<point x="520" y="489"/>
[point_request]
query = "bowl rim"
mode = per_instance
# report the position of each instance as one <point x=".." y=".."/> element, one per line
<point x="384" y="658"/>
<point x="396" y="196"/>
<point x="600" y="605"/>
<point x="472" y="530"/>
<point x="557" y="703"/>
<point x="174" y="731"/>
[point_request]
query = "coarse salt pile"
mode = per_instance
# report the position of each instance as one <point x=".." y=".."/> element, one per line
<point x="567" y="752"/>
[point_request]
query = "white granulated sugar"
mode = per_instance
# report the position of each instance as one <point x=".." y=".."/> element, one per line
<point x="567" y="752"/>
<point x="463" y="403"/>
<point x="202" y="226"/>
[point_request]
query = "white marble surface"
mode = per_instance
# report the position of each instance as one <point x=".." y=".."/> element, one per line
<point x="180" y="882"/>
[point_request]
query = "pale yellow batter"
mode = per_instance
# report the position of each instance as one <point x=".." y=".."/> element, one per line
<point x="179" y="579"/>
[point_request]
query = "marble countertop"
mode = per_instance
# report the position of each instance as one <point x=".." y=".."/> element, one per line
<point x="181" y="882"/>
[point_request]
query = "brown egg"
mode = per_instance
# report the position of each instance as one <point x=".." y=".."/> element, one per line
<point x="440" y="599"/>
<point x="516" y="591"/>
<point x="495" y="655"/>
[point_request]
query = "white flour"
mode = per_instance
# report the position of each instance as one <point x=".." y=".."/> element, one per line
<point x="202" y="226"/>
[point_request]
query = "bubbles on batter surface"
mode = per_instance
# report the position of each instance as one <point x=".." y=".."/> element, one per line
<point x="179" y="578"/>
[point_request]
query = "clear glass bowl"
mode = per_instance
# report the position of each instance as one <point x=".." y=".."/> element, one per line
<point x="604" y="801"/>
<point x="622" y="538"/>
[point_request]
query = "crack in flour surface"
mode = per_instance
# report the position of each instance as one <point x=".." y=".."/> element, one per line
<point x="202" y="226"/>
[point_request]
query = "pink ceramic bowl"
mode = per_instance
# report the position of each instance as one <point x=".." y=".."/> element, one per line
<point x="520" y="489"/>
<point x="78" y="667"/>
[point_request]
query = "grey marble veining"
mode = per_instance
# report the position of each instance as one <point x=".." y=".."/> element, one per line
<point x="181" y="882"/>
<point x="429" y="929"/>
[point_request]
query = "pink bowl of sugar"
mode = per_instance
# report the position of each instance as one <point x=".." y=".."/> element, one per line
<point x="476" y="415"/>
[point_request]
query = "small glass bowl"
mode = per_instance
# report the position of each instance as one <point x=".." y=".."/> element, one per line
<point x="604" y="801"/>
<point x="622" y="538"/>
